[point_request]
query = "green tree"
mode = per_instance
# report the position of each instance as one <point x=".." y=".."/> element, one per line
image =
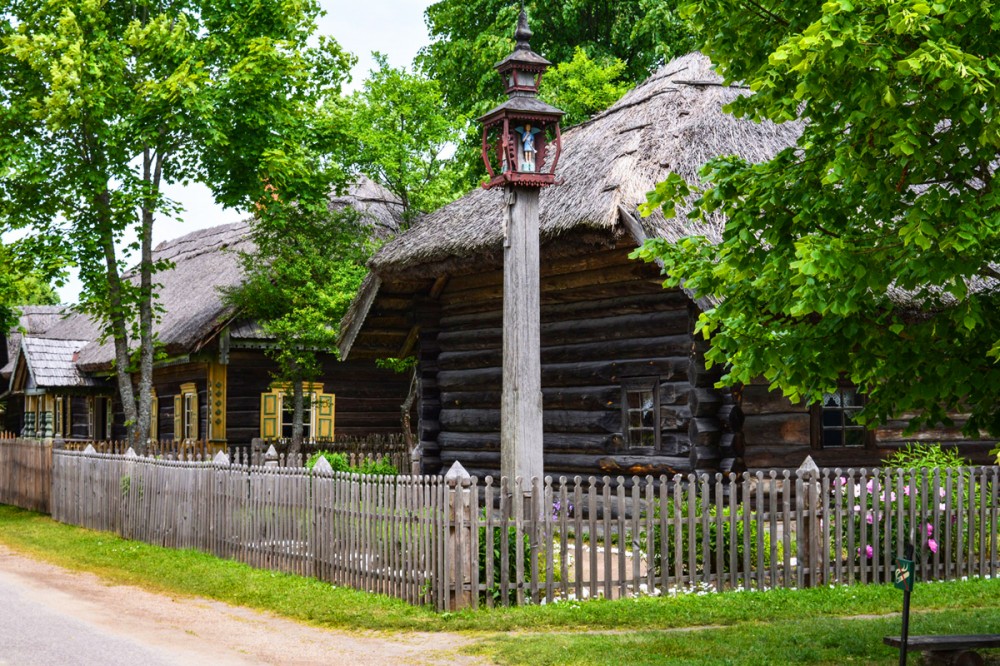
<point x="402" y="130"/>
<point x="870" y="251"/>
<point x="582" y="87"/>
<point x="297" y="285"/>
<point x="470" y="36"/>
<point x="28" y="268"/>
<point x="105" y="101"/>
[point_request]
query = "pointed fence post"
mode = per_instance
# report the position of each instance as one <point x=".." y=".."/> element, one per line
<point x="271" y="457"/>
<point x="221" y="459"/>
<point x="459" y="539"/>
<point x="810" y="525"/>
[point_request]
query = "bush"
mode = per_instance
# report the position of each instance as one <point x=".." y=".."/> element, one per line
<point x="684" y="534"/>
<point x="339" y="463"/>
<point x="880" y="507"/>
<point x="513" y="553"/>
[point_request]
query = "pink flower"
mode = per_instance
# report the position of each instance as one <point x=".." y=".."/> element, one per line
<point x="869" y="485"/>
<point x="930" y="530"/>
<point x="906" y="490"/>
<point x="941" y="492"/>
<point x="857" y="508"/>
<point x="842" y="481"/>
<point x="869" y="551"/>
<point x="870" y="518"/>
<point x="932" y="544"/>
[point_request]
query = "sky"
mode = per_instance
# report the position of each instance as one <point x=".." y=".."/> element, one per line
<point x="393" y="27"/>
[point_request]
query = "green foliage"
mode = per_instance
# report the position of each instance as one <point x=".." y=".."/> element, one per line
<point x="28" y="268"/>
<point x="469" y="37"/>
<point x="402" y="130"/>
<point x="915" y="455"/>
<point x="515" y="551"/>
<point x="683" y="535"/>
<point x="339" y="462"/>
<point x="105" y="102"/>
<point x="582" y="87"/>
<point x="399" y="365"/>
<point x="869" y="251"/>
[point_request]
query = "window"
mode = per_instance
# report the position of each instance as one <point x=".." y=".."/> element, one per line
<point x="276" y="412"/>
<point x="835" y="420"/>
<point x="186" y="413"/>
<point x="101" y="416"/>
<point x="641" y="412"/>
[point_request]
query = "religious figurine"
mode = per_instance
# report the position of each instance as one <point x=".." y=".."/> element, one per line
<point x="527" y="146"/>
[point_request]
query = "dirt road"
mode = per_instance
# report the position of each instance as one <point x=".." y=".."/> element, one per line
<point x="52" y="615"/>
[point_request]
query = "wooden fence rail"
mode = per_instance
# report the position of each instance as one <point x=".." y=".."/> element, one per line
<point x="454" y="542"/>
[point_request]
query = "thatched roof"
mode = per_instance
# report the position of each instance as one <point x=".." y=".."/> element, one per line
<point x="206" y="262"/>
<point x="672" y="122"/>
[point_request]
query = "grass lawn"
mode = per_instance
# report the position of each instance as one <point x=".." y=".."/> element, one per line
<point x="780" y="626"/>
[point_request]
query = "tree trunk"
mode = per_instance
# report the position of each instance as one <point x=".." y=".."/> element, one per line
<point x="117" y="319"/>
<point x="152" y="170"/>
<point x="298" y="407"/>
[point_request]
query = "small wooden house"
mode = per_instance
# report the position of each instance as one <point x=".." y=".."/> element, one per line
<point x="625" y="389"/>
<point x="212" y="379"/>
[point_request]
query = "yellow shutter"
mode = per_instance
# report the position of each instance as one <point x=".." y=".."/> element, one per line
<point x="270" y="414"/>
<point x="154" y="417"/>
<point x="325" y="410"/>
<point x="178" y="418"/>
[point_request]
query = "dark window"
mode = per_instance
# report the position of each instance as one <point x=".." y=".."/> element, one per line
<point x="641" y="412"/>
<point x="288" y="415"/>
<point x="836" y="418"/>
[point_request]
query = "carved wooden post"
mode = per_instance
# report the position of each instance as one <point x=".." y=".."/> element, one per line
<point x="459" y="542"/>
<point x="521" y="147"/>
<point x="521" y="406"/>
<point x="809" y="558"/>
<point x="271" y="457"/>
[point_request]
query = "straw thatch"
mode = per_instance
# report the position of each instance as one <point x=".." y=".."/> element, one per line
<point x="672" y="122"/>
<point x="206" y="262"/>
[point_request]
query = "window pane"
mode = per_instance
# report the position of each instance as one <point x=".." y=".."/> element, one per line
<point x="854" y="437"/>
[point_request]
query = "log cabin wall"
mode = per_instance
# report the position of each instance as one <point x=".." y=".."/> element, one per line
<point x="167" y="382"/>
<point x="368" y="398"/>
<point x="776" y="433"/>
<point x="606" y="322"/>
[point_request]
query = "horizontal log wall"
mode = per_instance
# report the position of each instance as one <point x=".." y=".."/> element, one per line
<point x="605" y="318"/>
<point x="775" y="433"/>
<point x="368" y="398"/>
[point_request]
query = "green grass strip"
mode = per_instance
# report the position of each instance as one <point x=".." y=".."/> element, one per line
<point x="193" y="573"/>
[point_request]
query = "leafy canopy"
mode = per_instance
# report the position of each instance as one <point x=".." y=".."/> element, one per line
<point x="582" y="87"/>
<point x="468" y="37"/>
<point x="104" y="101"/>
<point x="870" y="250"/>
<point x="402" y="132"/>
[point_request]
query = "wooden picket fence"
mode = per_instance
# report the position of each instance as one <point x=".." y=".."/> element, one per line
<point x="378" y="534"/>
<point x="25" y="473"/>
<point x="456" y="542"/>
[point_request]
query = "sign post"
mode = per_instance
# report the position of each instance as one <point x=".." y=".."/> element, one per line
<point x="903" y="580"/>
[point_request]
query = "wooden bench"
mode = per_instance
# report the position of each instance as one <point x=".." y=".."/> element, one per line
<point x="955" y="650"/>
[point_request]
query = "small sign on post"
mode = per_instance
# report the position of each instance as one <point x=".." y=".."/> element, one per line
<point x="903" y="578"/>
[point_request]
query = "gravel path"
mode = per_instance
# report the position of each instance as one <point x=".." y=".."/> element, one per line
<point x="53" y="615"/>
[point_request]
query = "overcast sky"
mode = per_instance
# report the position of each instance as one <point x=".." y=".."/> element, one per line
<point x="393" y="27"/>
